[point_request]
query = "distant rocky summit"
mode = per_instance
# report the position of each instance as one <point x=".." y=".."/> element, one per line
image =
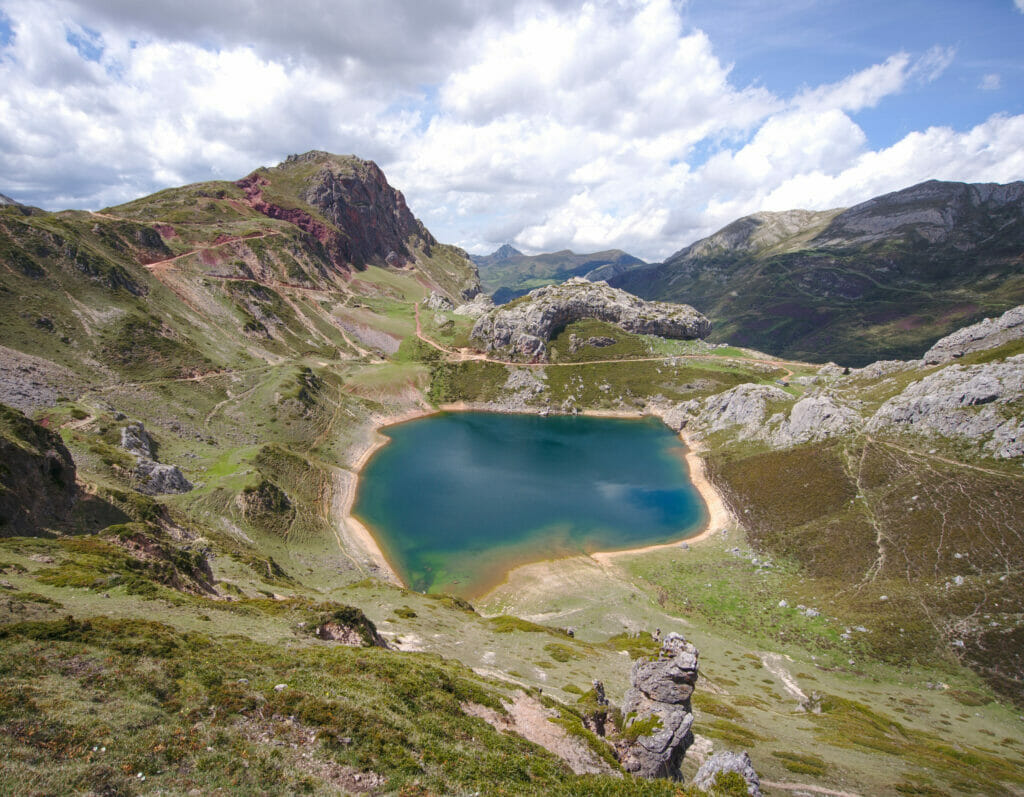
<point x="507" y="273"/>
<point x="523" y="327"/>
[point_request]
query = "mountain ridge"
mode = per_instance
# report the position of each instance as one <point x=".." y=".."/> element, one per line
<point x="508" y="274"/>
<point x="884" y="278"/>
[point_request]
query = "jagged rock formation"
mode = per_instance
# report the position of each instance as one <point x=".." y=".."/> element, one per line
<point x="136" y="440"/>
<point x="984" y="335"/>
<point x="524" y="327"/>
<point x="658" y="702"/>
<point x="149" y="476"/>
<point x="739" y="763"/>
<point x="347" y="205"/>
<point x="881" y="279"/>
<point x="37" y="476"/>
<point x="370" y="219"/>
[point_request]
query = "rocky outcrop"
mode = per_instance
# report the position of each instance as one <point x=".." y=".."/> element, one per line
<point x="523" y="327"/>
<point x="136" y="440"/>
<point x="595" y="341"/>
<point x="437" y="301"/>
<point x="813" y="418"/>
<point x="984" y="335"/>
<point x="477" y="306"/>
<point x="724" y="762"/>
<point x="37" y="476"/>
<point x="6" y="200"/>
<point x="975" y="403"/>
<point x="267" y="507"/>
<point x="149" y="476"/>
<point x="658" y="712"/>
<point x="155" y="478"/>
<point x="745" y="406"/>
<point x="348" y="626"/>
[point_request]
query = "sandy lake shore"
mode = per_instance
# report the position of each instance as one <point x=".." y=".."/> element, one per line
<point x="353" y="536"/>
<point x="361" y="541"/>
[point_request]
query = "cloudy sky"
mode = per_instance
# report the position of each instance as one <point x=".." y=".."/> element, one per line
<point x="639" y="124"/>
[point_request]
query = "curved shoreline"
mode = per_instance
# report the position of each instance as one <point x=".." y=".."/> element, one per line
<point x="358" y="535"/>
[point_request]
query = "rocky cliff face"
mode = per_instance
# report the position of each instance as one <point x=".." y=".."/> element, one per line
<point x="884" y="278"/>
<point x="347" y="204"/>
<point x="355" y="196"/>
<point x="37" y="476"/>
<point x="934" y="213"/>
<point x="522" y="328"/>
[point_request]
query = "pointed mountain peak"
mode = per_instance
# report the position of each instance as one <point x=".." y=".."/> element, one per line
<point x="505" y="251"/>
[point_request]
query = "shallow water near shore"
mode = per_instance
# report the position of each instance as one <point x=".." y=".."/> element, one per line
<point x="456" y="500"/>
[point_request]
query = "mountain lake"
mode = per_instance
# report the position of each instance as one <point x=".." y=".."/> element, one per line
<point x="456" y="500"/>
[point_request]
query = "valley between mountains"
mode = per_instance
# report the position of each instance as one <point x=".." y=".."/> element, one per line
<point x="191" y="383"/>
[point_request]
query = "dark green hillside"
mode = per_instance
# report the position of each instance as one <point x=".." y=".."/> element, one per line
<point x="880" y="280"/>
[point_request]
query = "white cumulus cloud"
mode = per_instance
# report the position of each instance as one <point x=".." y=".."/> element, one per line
<point x="546" y="123"/>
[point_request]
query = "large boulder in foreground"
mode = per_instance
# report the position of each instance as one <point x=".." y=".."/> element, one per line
<point x="523" y="327"/>
<point x="657" y="707"/>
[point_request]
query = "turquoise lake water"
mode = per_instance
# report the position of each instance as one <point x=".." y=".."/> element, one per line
<point x="456" y="500"/>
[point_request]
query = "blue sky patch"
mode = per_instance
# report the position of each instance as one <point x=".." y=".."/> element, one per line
<point x="6" y="32"/>
<point x="89" y="43"/>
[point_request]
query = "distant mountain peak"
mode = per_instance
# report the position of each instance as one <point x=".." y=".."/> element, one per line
<point x="6" y="200"/>
<point x="505" y="251"/>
